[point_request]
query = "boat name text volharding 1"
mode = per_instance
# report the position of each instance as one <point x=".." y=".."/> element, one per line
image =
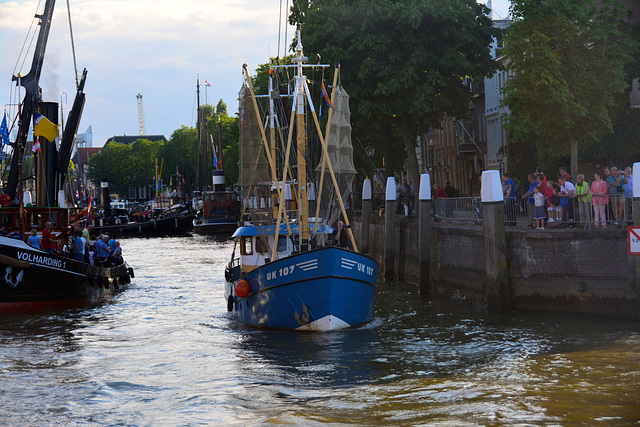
<point x="40" y="259"/>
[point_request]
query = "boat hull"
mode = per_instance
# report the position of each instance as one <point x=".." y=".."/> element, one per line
<point x="320" y="290"/>
<point x="32" y="280"/>
<point x="178" y="225"/>
<point x="223" y="229"/>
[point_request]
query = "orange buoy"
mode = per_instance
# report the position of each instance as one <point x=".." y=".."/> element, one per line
<point x="242" y="288"/>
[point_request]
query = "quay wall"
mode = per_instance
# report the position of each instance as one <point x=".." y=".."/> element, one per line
<point x="563" y="270"/>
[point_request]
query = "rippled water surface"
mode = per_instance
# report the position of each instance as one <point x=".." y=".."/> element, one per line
<point x="165" y="352"/>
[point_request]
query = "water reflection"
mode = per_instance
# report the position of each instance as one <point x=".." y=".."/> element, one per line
<point x="166" y="352"/>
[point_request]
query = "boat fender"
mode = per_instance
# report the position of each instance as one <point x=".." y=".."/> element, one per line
<point x="11" y="279"/>
<point x="242" y="288"/>
<point x="105" y="282"/>
<point x="130" y="271"/>
<point x="230" y="303"/>
<point x="127" y="279"/>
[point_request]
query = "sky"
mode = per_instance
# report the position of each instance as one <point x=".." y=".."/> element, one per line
<point x="155" y="48"/>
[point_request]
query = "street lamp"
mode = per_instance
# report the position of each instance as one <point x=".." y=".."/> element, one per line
<point x="369" y="151"/>
<point x="431" y="139"/>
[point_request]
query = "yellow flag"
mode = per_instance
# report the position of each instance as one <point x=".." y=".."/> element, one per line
<point x="44" y="127"/>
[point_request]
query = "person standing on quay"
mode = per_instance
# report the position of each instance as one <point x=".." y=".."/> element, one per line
<point x="568" y="193"/>
<point x="628" y="194"/>
<point x="538" y="213"/>
<point x="583" y="195"/>
<point x="509" y="198"/>
<point x="599" y="191"/>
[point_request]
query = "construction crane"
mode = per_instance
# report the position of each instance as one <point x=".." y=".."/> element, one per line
<point x="140" y="115"/>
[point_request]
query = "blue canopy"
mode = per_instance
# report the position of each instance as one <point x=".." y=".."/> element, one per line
<point x="252" y="230"/>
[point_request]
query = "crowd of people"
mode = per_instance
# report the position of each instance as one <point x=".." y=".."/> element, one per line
<point x="79" y="244"/>
<point x="607" y="199"/>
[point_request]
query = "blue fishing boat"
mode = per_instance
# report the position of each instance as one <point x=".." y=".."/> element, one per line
<point x="294" y="271"/>
<point x="322" y="289"/>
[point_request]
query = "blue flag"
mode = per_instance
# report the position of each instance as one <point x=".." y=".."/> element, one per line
<point x="4" y="130"/>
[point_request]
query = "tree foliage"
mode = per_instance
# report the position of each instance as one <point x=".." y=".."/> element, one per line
<point x="567" y="73"/>
<point x="405" y="64"/>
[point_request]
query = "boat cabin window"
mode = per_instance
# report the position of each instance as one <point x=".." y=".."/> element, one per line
<point x="261" y="247"/>
<point x="246" y="246"/>
<point x="282" y="244"/>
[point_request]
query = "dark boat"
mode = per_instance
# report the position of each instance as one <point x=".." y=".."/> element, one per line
<point x="220" y="210"/>
<point x="32" y="280"/>
<point x="175" y="221"/>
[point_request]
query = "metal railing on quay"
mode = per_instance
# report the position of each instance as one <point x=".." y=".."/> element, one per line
<point x="575" y="212"/>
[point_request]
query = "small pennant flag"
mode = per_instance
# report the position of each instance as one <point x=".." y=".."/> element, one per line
<point x="206" y="83"/>
<point x="326" y="97"/>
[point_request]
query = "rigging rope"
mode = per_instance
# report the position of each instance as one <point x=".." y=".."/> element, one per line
<point x="279" y="29"/>
<point x="73" y="48"/>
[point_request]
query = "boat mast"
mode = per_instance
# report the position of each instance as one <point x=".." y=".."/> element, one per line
<point x="32" y="98"/>
<point x="272" y="127"/>
<point x="198" y="169"/>
<point x="303" y="204"/>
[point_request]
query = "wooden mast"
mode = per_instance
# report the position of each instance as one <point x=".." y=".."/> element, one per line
<point x="303" y="203"/>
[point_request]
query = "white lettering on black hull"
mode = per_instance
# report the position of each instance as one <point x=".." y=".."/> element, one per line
<point x="41" y="259"/>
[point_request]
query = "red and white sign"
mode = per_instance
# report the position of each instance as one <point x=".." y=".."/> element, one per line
<point x="634" y="240"/>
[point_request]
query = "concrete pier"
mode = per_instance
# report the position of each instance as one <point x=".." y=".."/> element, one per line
<point x="495" y="243"/>
<point x="389" y="229"/>
<point x="366" y="214"/>
<point x="424" y="233"/>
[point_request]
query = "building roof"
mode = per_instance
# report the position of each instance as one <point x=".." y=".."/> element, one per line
<point x="130" y="139"/>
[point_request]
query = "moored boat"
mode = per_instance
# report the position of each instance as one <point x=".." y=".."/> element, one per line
<point x="220" y="209"/>
<point x="175" y="221"/>
<point x="32" y="280"/>
<point x="288" y="275"/>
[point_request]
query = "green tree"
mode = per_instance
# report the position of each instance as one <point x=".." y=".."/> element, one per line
<point x="181" y="152"/>
<point x="111" y="164"/>
<point x="405" y="64"/>
<point x="567" y="64"/>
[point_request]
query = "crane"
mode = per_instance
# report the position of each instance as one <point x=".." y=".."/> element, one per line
<point x="140" y="115"/>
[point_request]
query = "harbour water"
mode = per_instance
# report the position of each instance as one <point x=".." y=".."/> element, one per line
<point x="165" y="352"/>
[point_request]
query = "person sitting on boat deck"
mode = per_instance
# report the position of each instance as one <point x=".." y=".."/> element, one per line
<point x="48" y="244"/>
<point x="34" y="240"/>
<point x="3" y="232"/>
<point x="116" y="256"/>
<point x="112" y="244"/>
<point x="13" y="233"/>
<point x="101" y="252"/>
<point x="78" y="246"/>
<point x="342" y="239"/>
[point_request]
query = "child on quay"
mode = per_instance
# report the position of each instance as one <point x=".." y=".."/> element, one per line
<point x="554" y="204"/>
<point x="538" y="213"/>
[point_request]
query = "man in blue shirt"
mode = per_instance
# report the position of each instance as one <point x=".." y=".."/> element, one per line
<point x="529" y="194"/>
<point x="509" y="199"/>
<point x="101" y="248"/>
